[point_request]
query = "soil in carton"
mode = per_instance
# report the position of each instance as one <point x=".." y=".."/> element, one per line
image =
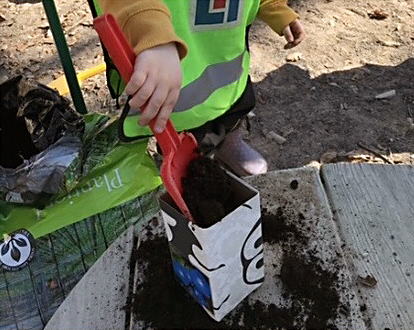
<point x="208" y="192"/>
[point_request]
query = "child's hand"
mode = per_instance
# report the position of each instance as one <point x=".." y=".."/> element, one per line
<point x="294" y="34"/>
<point x="156" y="82"/>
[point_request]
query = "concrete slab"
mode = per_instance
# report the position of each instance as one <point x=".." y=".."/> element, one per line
<point x="98" y="300"/>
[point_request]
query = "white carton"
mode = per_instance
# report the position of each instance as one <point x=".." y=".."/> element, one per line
<point x="220" y="265"/>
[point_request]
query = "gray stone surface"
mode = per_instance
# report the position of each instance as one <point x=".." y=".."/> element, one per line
<point x="98" y="300"/>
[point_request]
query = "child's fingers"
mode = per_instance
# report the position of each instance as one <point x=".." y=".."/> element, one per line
<point x="289" y="45"/>
<point x="165" y="111"/>
<point x="298" y="32"/>
<point x="294" y="34"/>
<point x="137" y="80"/>
<point x="142" y="95"/>
<point x="287" y="32"/>
<point x="154" y="104"/>
<point x="298" y="39"/>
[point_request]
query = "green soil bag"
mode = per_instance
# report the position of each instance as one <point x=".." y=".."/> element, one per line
<point x="68" y="189"/>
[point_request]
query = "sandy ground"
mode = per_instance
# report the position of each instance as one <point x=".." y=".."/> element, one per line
<point x="316" y="103"/>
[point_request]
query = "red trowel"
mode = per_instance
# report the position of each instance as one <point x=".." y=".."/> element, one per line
<point x="178" y="149"/>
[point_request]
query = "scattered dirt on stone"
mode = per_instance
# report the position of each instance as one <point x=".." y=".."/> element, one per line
<point x="161" y="302"/>
<point x="304" y="280"/>
<point x="277" y="228"/>
<point x="313" y="287"/>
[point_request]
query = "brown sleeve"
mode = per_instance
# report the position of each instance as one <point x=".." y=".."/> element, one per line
<point x="146" y="23"/>
<point x="277" y="14"/>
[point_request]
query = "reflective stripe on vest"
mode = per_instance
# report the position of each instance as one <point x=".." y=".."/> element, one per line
<point x="214" y="77"/>
<point x="217" y="65"/>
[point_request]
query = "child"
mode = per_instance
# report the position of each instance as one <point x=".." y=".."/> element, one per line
<point x="209" y="92"/>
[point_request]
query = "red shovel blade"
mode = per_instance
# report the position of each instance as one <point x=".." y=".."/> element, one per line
<point x="174" y="168"/>
<point x="178" y="149"/>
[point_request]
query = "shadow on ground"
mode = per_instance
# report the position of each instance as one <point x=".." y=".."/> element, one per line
<point x="335" y="111"/>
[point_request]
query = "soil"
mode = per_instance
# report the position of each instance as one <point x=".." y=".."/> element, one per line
<point x="13" y="128"/>
<point x="33" y="117"/>
<point x="315" y="103"/>
<point x="304" y="280"/>
<point x="207" y="191"/>
<point x="161" y="302"/>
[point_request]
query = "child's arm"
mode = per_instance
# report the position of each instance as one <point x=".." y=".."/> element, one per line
<point x="157" y="74"/>
<point x="283" y="20"/>
<point x="146" y="23"/>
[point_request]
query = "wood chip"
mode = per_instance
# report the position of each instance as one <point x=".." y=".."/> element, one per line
<point x="354" y="88"/>
<point x="293" y="57"/>
<point x="389" y="43"/>
<point x="276" y="137"/>
<point x="378" y="14"/>
<point x="360" y="73"/>
<point x="260" y="98"/>
<point x="386" y="95"/>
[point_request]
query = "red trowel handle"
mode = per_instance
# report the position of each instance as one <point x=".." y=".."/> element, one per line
<point x="123" y="57"/>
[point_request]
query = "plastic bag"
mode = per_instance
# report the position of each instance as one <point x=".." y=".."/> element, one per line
<point x="40" y="136"/>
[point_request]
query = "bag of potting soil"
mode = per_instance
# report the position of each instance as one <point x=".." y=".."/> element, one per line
<point x="40" y="137"/>
<point x="68" y="189"/>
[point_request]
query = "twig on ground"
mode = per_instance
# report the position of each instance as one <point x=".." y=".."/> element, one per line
<point x="409" y="112"/>
<point x="376" y="153"/>
<point x="408" y="101"/>
<point x="79" y="22"/>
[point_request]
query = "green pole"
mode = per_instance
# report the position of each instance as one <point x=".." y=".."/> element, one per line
<point x="64" y="55"/>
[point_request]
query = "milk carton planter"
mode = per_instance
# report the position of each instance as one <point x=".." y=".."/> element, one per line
<point x="220" y="265"/>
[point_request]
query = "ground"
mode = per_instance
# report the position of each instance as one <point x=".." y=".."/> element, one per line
<point x="315" y="103"/>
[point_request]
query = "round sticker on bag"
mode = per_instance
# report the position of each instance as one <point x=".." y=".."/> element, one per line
<point x="17" y="250"/>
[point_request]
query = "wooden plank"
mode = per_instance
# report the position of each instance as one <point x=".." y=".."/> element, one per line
<point x="98" y="300"/>
<point x="374" y="208"/>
